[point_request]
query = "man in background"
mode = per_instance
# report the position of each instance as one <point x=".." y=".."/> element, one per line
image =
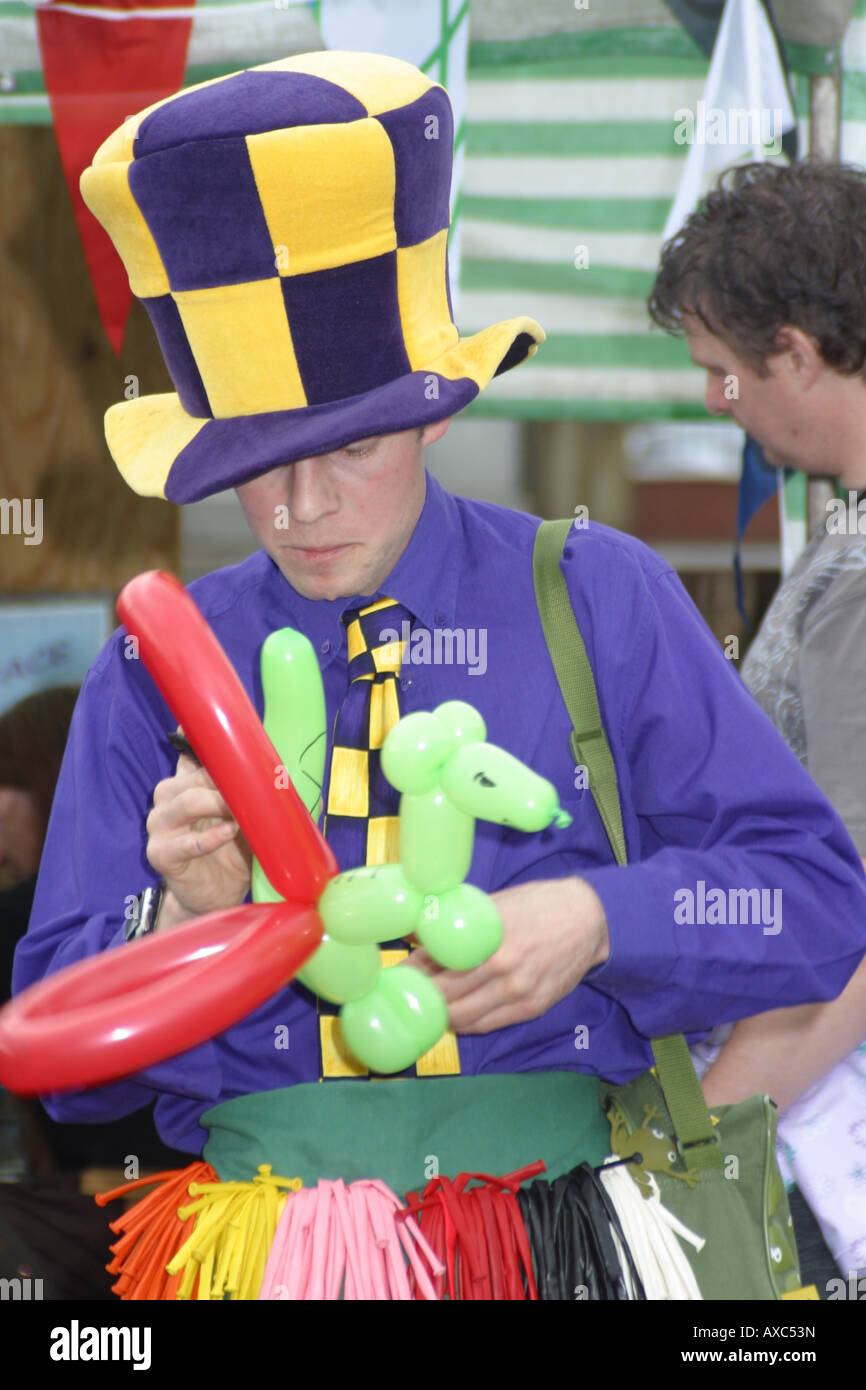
<point x="766" y="283"/>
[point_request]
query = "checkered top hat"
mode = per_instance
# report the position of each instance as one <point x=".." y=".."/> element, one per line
<point x="285" y="228"/>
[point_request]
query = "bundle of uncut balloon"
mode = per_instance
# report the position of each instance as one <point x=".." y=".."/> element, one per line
<point x="448" y="776"/>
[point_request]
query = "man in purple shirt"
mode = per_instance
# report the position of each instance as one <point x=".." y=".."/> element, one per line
<point x="597" y="959"/>
<point x="710" y="795"/>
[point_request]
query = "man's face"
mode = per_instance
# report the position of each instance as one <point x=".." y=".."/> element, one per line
<point x="769" y="408"/>
<point x="337" y="523"/>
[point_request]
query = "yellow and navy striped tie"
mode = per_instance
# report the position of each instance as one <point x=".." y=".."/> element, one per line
<point x="361" y="821"/>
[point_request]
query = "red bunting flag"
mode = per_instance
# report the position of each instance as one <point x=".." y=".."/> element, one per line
<point x="97" y="73"/>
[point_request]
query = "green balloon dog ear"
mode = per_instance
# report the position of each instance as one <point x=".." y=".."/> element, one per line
<point x="414" y="752"/>
<point x="462" y="721"/>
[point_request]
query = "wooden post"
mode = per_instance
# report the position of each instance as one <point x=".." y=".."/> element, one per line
<point x="58" y="375"/>
<point x="824" y="119"/>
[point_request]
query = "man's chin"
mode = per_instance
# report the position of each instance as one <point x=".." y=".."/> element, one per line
<point x="773" y="459"/>
<point x="770" y="456"/>
<point x="335" y="578"/>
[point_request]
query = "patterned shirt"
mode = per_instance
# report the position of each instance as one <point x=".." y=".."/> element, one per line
<point x="807" y="667"/>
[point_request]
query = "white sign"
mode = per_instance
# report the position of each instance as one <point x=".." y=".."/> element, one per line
<point x="46" y="642"/>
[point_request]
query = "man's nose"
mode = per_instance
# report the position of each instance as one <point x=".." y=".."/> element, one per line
<point x="311" y="495"/>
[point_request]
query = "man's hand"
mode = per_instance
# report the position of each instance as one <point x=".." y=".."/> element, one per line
<point x="555" y="931"/>
<point x="195" y="845"/>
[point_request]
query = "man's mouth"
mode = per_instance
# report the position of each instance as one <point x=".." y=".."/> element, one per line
<point x="319" y="552"/>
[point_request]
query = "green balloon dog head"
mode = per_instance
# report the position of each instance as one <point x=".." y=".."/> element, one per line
<point x="447" y="749"/>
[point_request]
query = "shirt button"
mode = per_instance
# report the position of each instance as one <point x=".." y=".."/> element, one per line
<point x="326" y="647"/>
<point x="405" y="683"/>
<point x="439" y="619"/>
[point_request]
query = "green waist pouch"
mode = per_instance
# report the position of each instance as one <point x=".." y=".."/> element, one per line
<point x="409" y="1131"/>
<point x="725" y="1185"/>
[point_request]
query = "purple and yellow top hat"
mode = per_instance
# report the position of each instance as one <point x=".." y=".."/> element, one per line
<point x="285" y="227"/>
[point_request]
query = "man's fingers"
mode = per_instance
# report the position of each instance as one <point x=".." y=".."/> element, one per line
<point x="184" y="807"/>
<point x="466" y="1020"/>
<point x="188" y="772"/>
<point x="211" y="837"/>
<point x="173" y="857"/>
<point x="453" y="984"/>
<point x="478" y="1000"/>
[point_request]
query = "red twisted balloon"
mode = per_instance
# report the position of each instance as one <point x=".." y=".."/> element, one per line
<point x="198" y="683"/>
<point x="129" y="1008"/>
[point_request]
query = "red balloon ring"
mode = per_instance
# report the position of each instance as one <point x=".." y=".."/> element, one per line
<point x="135" y="1006"/>
<point x="124" y="1010"/>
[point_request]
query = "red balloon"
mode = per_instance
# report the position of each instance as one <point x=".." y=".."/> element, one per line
<point x="133" y="1006"/>
<point x="201" y="687"/>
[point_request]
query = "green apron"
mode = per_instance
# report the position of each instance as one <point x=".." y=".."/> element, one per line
<point x="407" y="1131"/>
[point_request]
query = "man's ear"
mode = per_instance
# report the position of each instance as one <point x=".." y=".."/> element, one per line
<point x="801" y="354"/>
<point x="433" y="432"/>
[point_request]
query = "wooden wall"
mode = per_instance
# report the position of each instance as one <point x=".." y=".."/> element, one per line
<point x="58" y="375"/>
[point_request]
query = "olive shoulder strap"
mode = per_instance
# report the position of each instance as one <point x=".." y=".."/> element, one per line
<point x="590" y="749"/>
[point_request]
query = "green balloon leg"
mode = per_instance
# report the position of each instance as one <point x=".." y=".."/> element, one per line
<point x="294" y="718"/>
<point x="461" y="928"/>
<point x="436" y="840"/>
<point x="400" y="1020"/>
<point x="370" y="904"/>
<point x="338" y="972"/>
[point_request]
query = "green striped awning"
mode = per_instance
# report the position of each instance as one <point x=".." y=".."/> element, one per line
<point x="570" y="169"/>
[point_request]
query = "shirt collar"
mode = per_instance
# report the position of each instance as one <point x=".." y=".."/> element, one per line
<point x="424" y="579"/>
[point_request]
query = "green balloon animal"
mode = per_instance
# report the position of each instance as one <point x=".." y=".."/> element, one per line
<point x="448" y="776"/>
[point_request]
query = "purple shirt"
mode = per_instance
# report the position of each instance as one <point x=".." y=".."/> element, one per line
<point x="712" y="799"/>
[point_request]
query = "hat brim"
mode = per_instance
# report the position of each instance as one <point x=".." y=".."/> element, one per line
<point x="163" y="451"/>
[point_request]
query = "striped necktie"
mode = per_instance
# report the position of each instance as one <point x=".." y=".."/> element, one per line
<point x="361" y="821"/>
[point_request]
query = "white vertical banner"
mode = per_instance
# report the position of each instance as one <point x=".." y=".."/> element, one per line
<point x="793" y="519"/>
<point x="744" y="112"/>
<point x="432" y="34"/>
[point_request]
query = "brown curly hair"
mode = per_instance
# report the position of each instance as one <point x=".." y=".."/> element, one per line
<point x="773" y="245"/>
